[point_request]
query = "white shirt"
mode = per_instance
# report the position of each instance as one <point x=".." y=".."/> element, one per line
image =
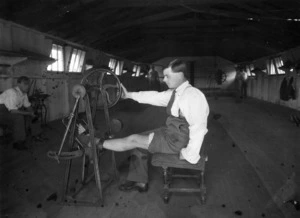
<point x="14" y="99"/>
<point x="194" y="108"/>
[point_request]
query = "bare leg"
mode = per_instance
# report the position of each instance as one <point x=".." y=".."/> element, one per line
<point x="127" y="143"/>
<point x="122" y="144"/>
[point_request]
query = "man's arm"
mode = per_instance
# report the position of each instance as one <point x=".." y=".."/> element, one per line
<point x="10" y="102"/>
<point x="195" y="109"/>
<point x="26" y="113"/>
<point x="149" y="97"/>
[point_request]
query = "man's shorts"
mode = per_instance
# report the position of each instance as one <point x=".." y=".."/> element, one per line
<point x="160" y="142"/>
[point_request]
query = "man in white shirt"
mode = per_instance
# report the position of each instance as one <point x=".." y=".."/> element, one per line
<point x="14" y="107"/>
<point x="183" y="134"/>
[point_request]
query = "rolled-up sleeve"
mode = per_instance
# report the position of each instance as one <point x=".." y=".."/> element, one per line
<point x="10" y="100"/>
<point x="151" y="97"/>
<point x="195" y="109"/>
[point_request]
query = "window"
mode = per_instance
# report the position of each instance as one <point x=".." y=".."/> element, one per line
<point x="119" y="68"/>
<point x="248" y="69"/>
<point x="77" y="59"/>
<point x="278" y="63"/>
<point x="244" y="71"/>
<point x="136" y="70"/>
<point x="57" y="54"/>
<point x="273" y="65"/>
<point x="112" y="64"/>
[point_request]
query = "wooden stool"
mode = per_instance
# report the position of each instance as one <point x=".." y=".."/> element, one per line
<point x="167" y="161"/>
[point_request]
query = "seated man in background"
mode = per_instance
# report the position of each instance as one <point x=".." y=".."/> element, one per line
<point x="14" y="109"/>
<point x="183" y="133"/>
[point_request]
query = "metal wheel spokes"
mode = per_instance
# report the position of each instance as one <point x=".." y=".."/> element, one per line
<point x="100" y="81"/>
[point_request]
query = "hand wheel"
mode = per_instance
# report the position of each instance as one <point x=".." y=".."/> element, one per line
<point x="102" y="81"/>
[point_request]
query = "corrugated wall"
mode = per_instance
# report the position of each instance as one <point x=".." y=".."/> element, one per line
<point x="267" y="87"/>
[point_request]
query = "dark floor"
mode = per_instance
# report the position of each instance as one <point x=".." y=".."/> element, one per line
<point x="252" y="170"/>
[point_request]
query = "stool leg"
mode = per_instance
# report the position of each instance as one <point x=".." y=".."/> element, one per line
<point x="203" y="188"/>
<point x="166" y="193"/>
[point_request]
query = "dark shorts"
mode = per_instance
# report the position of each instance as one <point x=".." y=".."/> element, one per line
<point x="162" y="142"/>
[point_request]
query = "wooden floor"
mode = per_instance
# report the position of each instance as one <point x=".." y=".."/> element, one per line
<point x="253" y="168"/>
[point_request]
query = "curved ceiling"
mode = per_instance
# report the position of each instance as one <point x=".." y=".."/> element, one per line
<point x="147" y="30"/>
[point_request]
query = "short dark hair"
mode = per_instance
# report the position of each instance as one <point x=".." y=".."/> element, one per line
<point x="178" y="65"/>
<point x="23" y="79"/>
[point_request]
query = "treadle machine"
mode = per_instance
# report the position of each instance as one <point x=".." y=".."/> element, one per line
<point x="99" y="89"/>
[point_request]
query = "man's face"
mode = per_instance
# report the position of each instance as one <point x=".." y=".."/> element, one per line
<point x="24" y="86"/>
<point x="173" y="80"/>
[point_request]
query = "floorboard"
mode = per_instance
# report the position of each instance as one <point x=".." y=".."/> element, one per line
<point x="244" y="172"/>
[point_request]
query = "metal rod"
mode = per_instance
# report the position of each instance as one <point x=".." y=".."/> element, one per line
<point x="71" y="144"/>
<point x="94" y="148"/>
<point x="83" y="168"/>
<point x="106" y="113"/>
<point x="68" y="127"/>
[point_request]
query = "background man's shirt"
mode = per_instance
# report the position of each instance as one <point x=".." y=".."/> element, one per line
<point x="193" y="106"/>
<point x="14" y="99"/>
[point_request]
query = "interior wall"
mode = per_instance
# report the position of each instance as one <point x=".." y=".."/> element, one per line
<point x="204" y="69"/>
<point x="58" y="85"/>
<point x="267" y="87"/>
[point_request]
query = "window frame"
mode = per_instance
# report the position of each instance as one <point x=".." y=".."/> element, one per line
<point x="273" y="64"/>
<point x="136" y="70"/>
<point x="112" y="64"/>
<point x="79" y="59"/>
<point x="62" y="61"/>
<point x="119" y="68"/>
<point x="249" y="68"/>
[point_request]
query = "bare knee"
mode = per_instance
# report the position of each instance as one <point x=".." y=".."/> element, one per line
<point x="132" y="138"/>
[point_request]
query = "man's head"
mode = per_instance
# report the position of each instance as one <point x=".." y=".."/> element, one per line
<point x="23" y="83"/>
<point x="175" y="74"/>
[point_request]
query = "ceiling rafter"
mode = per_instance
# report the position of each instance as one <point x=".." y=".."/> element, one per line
<point x="147" y="28"/>
<point x="194" y="22"/>
<point x="230" y="14"/>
